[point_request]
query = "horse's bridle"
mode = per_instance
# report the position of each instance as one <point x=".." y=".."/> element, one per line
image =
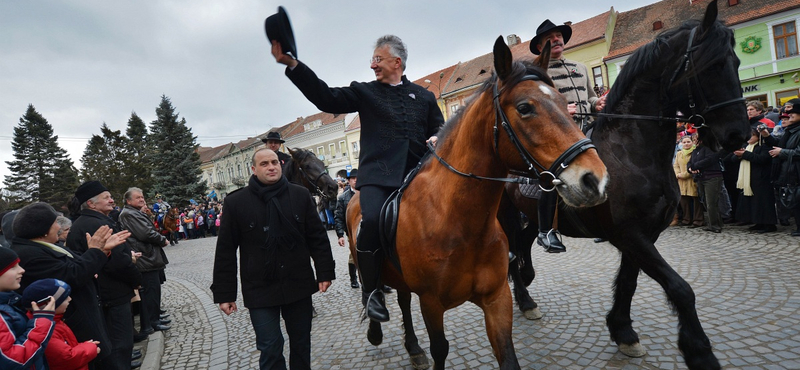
<point x="311" y="181"/>
<point x="549" y="175"/>
<point x="695" y="118"/>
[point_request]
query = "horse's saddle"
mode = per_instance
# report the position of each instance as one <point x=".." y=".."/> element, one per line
<point x="387" y="224"/>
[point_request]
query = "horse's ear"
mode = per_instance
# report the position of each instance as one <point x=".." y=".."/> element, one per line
<point x="502" y="58"/>
<point x="710" y="17"/>
<point x="543" y="60"/>
<point x="291" y="151"/>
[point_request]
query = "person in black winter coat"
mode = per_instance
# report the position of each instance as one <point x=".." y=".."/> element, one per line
<point x="119" y="276"/>
<point x="341" y="221"/>
<point x="786" y="154"/>
<point x="274" y="226"/>
<point x="397" y="117"/>
<point x="706" y="168"/>
<point x="756" y="198"/>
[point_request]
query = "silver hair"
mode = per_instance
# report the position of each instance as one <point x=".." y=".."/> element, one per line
<point x="396" y="47"/>
<point x="131" y="190"/>
<point x="63" y="224"/>
<point x="93" y="199"/>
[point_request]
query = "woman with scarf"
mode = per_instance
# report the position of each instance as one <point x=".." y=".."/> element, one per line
<point x="756" y="198"/>
<point x="690" y="201"/>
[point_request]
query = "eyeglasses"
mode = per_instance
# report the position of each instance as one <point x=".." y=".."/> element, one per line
<point x="378" y="59"/>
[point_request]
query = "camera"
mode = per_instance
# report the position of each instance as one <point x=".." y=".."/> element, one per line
<point x="761" y="127"/>
<point x="43" y="301"/>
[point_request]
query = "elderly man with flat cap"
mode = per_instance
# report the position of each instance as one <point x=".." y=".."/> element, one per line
<point x="119" y="276"/>
<point x="572" y="79"/>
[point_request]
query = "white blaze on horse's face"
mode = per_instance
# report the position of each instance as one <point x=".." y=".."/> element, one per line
<point x="547" y="90"/>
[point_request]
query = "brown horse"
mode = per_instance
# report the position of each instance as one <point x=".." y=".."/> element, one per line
<point x="449" y="245"/>
<point x="171" y="224"/>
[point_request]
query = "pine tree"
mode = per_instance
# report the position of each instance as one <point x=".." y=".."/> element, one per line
<point x="104" y="160"/>
<point x="176" y="164"/>
<point x="41" y="170"/>
<point x="138" y="159"/>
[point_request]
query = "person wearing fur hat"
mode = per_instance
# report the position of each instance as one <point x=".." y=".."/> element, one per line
<point x="119" y="276"/>
<point x="36" y="231"/>
<point x="22" y="338"/>
<point x="63" y="352"/>
<point x="572" y="79"/>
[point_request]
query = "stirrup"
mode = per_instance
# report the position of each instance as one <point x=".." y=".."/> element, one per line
<point x="379" y="313"/>
<point x="551" y="241"/>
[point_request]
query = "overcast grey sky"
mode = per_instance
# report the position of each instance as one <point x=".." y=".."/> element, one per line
<point x="85" y="62"/>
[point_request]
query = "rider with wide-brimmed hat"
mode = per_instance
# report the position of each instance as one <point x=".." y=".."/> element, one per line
<point x="572" y="79"/>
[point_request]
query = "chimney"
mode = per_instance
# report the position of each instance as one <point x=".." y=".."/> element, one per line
<point x="513" y="39"/>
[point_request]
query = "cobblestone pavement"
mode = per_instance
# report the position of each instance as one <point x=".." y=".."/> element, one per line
<point x="748" y="300"/>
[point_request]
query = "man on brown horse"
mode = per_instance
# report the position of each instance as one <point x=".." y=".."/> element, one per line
<point x="397" y="117"/>
<point x="572" y="80"/>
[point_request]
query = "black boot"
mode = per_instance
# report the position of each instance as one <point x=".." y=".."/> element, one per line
<point x="353" y="276"/>
<point x="548" y="237"/>
<point x="372" y="297"/>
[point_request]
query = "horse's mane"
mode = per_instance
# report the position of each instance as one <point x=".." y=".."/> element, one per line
<point x="519" y="69"/>
<point x="715" y="45"/>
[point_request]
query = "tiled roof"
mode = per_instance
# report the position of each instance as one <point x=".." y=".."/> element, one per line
<point x="589" y="30"/>
<point x="325" y="118"/>
<point x="209" y="154"/>
<point x="242" y="144"/>
<point x="470" y="73"/>
<point x="355" y="124"/>
<point x="446" y="75"/>
<point x="635" y="28"/>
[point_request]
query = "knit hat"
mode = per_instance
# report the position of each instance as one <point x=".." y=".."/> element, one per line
<point x="34" y="220"/>
<point x="8" y="259"/>
<point x="44" y="288"/>
<point x="795" y="106"/>
<point x="89" y="190"/>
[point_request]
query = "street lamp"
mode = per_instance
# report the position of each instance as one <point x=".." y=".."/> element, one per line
<point x="438" y="85"/>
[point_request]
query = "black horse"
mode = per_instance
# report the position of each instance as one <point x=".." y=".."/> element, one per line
<point x="693" y="69"/>
<point x="309" y="171"/>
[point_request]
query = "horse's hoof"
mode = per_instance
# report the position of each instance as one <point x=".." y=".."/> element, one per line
<point x="375" y="337"/>
<point x="420" y="361"/>
<point x="533" y="314"/>
<point x="632" y="350"/>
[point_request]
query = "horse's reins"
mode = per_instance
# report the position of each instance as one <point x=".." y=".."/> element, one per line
<point x="558" y="166"/>
<point x="314" y="181"/>
<point x="695" y="117"/>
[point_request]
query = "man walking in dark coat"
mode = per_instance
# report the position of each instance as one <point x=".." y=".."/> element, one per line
<point x="397" y="117"/>
<point x="341" y="220"/>
<point x="275" y="227"/>
<point x="118" y="278"/>
<point x="147" y="241"/>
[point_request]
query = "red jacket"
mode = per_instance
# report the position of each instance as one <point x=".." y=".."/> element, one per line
<point x="64" y="352"/>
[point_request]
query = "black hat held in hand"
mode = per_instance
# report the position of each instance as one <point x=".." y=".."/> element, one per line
<point x="279" y="28"/>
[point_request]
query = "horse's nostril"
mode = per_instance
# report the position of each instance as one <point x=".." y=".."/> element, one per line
<point x="589" y="181"/>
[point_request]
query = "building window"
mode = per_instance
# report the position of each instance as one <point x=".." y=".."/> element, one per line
<point x="597" y="72"/>
<point x="785" y="39"/>
<point x="454" y="108"/>
<point x="239" y="169"/>
<point x="342" y="147"/>
<point x="332" y="150"/>
<point x="782" y="97"/>
<point x="355" y="147"/>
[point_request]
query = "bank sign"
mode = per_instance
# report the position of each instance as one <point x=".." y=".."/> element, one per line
<point x="750" y="89"/>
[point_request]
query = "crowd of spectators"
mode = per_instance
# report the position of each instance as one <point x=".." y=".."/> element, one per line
<point x="70" y="285"/>
<point x="741" y="187"/>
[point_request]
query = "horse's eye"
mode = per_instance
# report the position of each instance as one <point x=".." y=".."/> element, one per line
<point x="525" y="109"/>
